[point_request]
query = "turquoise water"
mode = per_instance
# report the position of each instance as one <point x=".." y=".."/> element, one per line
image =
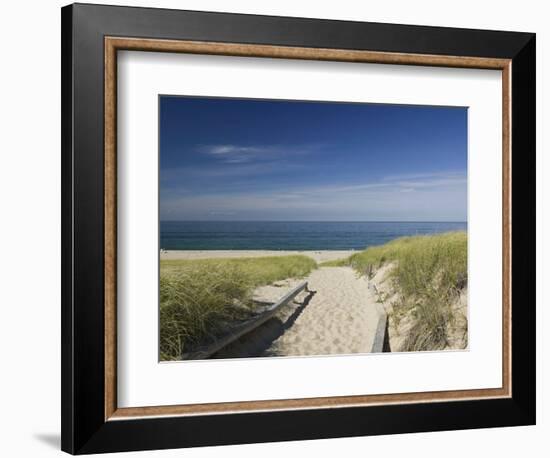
<point x="283" y="235"/>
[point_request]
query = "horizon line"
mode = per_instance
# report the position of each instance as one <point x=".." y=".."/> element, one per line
<point x="303" y="221"/>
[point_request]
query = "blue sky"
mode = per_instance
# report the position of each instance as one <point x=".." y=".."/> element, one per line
<point x="266" y="160"/>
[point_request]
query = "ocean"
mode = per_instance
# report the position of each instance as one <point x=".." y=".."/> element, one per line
<point x="290" y="235"/>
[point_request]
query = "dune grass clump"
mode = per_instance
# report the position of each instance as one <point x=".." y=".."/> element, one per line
<point x="424" y="262"/>
<point x="260" y="271"/>
<point x="199" y="297"/>
<point x="429" y="273"/>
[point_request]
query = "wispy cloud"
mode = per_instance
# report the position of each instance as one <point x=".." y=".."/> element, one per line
<point x="236" y="154"/>
<point x="436" y="196"/>
<point x="440" y="180"/>
<point x="239" y="154"/>
<point x="425" y="175"/>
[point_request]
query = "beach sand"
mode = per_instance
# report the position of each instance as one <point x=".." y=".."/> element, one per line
<point x="339" y="317"/>
<point x="318" y="256"/>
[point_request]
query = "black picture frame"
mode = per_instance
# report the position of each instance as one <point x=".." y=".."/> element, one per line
<point x="84" y="428"/>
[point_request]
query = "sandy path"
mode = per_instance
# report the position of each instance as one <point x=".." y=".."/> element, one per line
<point x="340" y="318"/>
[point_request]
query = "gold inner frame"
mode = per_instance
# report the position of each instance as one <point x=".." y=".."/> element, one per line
<point x="112" y="45"/>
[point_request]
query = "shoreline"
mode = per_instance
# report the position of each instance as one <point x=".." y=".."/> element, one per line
<point x="316" y="255"/>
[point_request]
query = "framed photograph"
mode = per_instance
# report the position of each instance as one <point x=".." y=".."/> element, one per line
<point x="281" y="228"/>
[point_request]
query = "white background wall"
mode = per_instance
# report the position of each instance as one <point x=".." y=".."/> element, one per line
<point x="30" y="229"/>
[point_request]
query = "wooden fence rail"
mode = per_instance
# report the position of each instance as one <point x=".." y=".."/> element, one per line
<point x="246" y="327"/>
<point x="380" y="342"/>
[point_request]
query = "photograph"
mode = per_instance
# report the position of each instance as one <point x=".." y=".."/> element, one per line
<point x="311" y="228"/>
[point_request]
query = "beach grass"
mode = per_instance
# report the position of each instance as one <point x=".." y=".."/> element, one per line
<point x="198" y="297"/>
<point x="428" y="272"/>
